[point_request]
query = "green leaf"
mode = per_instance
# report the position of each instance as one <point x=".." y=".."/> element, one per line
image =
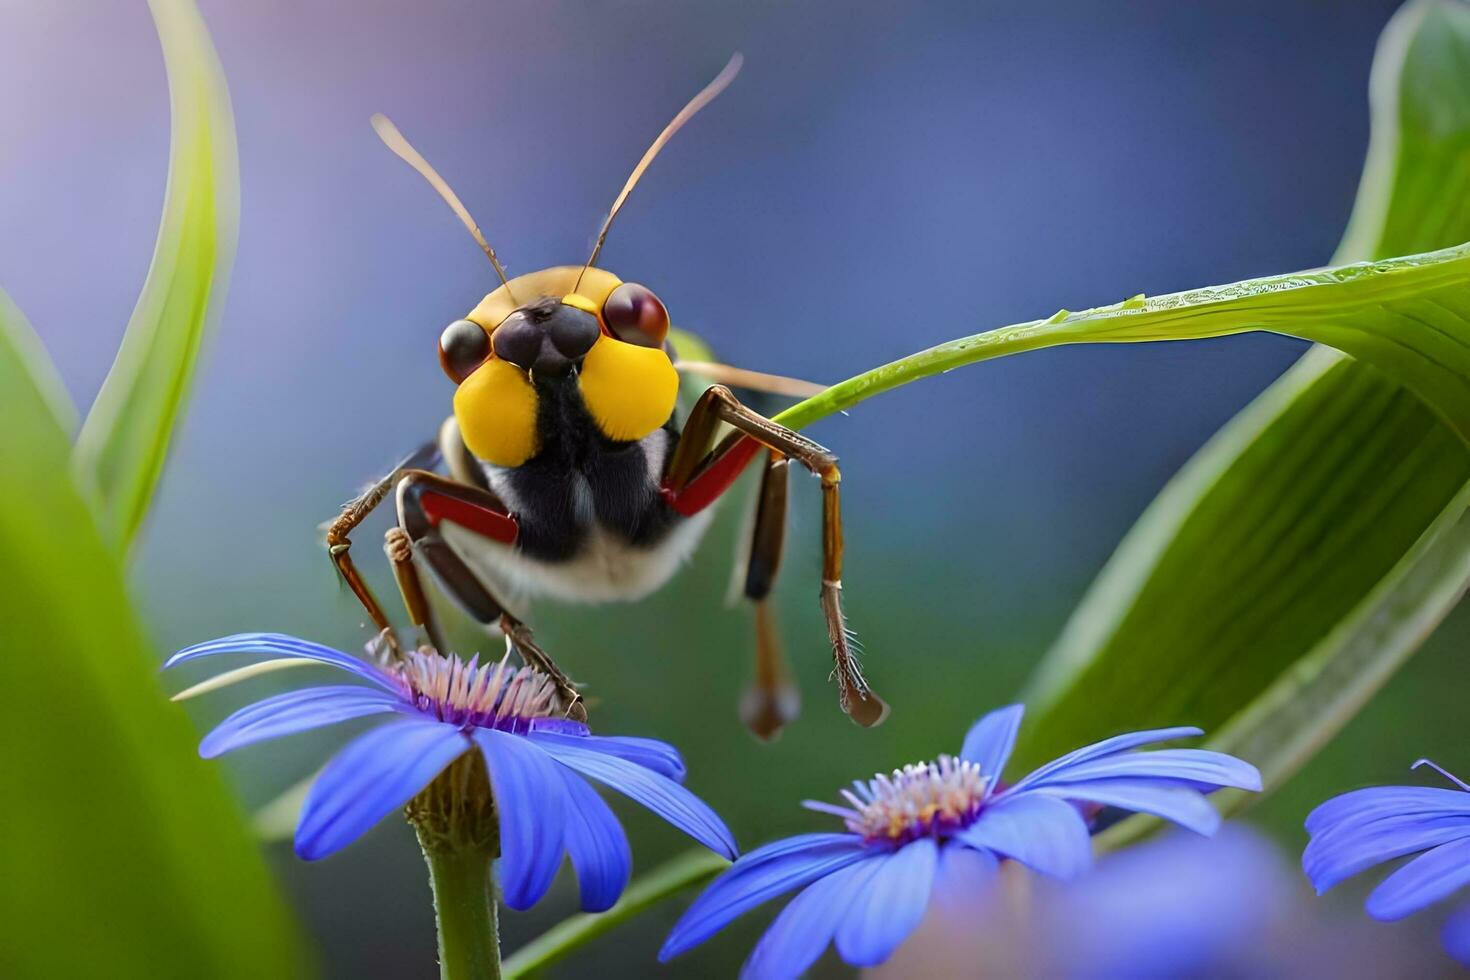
<point x="1307" y="551"/>
<point x="1413" y="195"/>
<point x="1409" y="317"/>
<point x="124" y="441"/>
<point x="119" y="842"/>
<point x="670" y="878"/>
<point x="31" y="357"/>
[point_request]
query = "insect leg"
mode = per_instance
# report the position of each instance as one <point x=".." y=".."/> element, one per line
<point x="772" y="700"/>
<point x="697" y="476"/>
<point x="398" y="546"/>
<point x="425" y="500"/>
<point x="354" y="512"/>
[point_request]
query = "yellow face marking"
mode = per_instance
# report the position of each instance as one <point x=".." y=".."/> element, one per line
<point x="578" y="301"/>
<point x="496" y="411"/>
<point x="557" y="281"/>
<point x="628" y="390"/>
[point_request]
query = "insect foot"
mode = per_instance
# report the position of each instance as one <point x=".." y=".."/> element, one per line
<point x="518" y="635"/>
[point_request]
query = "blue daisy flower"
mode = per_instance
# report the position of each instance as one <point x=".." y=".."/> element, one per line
<point x="1355" y="831"/>
<point x="866" y="889"/>
<point x="441" y="707"/>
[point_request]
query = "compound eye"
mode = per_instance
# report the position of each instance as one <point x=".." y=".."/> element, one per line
<point x="463" y="346"/>
<point x="636" y="316"/>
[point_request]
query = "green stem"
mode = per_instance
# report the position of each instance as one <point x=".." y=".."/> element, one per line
<point x="465" y="911"/>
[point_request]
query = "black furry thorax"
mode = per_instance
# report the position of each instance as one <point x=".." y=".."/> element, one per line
<point x="581" y="481"/>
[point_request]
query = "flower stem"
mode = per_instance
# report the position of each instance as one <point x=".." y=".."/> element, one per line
<point x="465" y="910"/>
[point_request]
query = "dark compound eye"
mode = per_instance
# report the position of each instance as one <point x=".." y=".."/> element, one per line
<point x="463" y="346"/>
<point x="518" y="339"/>
<point x="636" y="316"/>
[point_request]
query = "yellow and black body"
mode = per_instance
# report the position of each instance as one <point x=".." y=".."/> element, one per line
<point x="564" y="470"/>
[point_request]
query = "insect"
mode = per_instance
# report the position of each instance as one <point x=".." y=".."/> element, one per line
<point x="563" y="471"/>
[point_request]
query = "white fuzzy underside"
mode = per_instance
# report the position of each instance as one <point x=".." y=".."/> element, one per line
<point x="606" y="570"/>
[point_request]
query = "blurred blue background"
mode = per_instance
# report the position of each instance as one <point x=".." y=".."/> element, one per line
<point x="880" y="178"/>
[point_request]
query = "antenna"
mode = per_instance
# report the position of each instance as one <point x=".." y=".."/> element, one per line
<point x="396" y="142"/>
<point x="704" y="98"/>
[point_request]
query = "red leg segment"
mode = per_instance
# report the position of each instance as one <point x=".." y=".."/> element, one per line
<point x="494" y="524"/>
<point x="710" y="483"/>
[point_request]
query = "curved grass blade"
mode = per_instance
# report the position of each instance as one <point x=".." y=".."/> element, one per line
<point x="685" y="871"/>
<point x="1305" y="553"/>
<point x="1415" y="191"/>
<point x="118" y="841"/>
<point x="30" y="355"/>
<point x="124" y="441"/>
<point x="1409" y="317"/>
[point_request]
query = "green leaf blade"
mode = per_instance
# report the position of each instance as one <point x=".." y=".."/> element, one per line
<point x="119" y="841"/>
<point x="124" y="441"/>
<point x="1415" y="192"/>
<point x="1409" y="317"/>
<point x="1270" y="539"/>
<point x="31" y="358"/>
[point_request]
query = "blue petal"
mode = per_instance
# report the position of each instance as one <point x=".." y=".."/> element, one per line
<point x="890" y="904"/>
<point x="1456" y="935"/>
<point x="989" y="742"/>
<point x="649" y="753"/>
<point x="1377" y="801"/>
<point x="758" y="877"/>
<point x="597" y="845"/>
<point x="1198" y="766"/>
<point x="1339" y="851"/>
<point x="657" y="792"/>
<point x="1181" y="804"/>
<point x="280" y="645"/>
<point x="1041" y="832"/>
<point x="531" y="801"/>
<point x="1422" y="882"/>
<point x="292" y="712"/>
<point x="1108" y="746"/>
<point x="556" y="726"/>
<point x="374" y="775"/>
<point x="805" y="926"/>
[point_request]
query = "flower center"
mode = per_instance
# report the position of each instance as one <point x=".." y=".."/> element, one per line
<point x="472" y="694"/>
<point x="919" y="800"/>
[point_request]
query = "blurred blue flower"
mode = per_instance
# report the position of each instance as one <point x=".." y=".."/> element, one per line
<point x="1353" y="832"/>
<point x="443" y="707"/>
<point x="948" y="822"/>
<point x="1177" y="905"/>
